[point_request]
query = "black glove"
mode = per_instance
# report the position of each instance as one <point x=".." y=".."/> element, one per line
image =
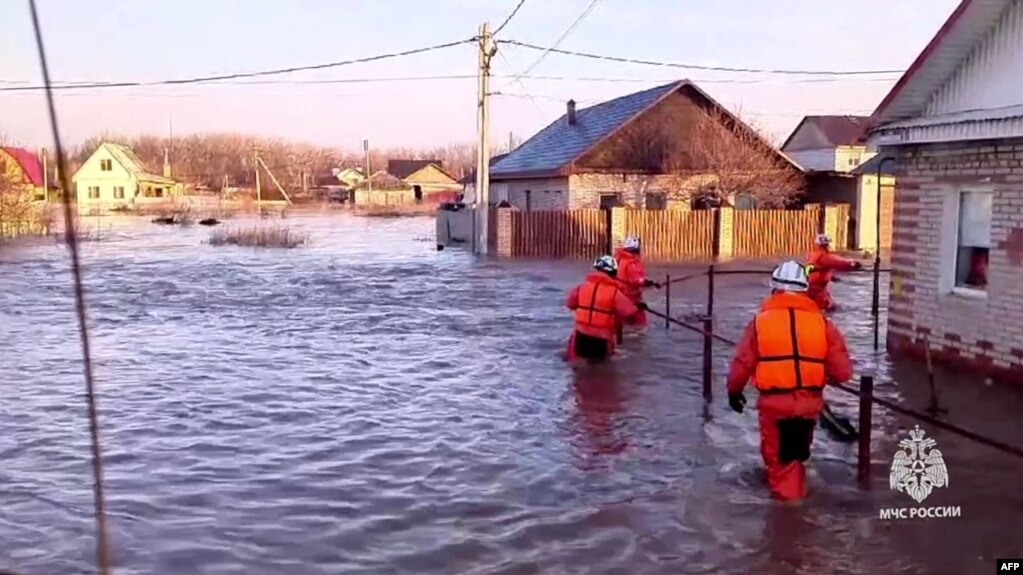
<point x="737" y="401"/>
<point x="642" y="306"/>
<point x="651" y="283"/>
<point x="857" y="266"/>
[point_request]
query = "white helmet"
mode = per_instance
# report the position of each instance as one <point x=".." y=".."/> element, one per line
<point x="823" y="239"/>
<point x="606" y="264"/>
<point x="790" y="276"/>
<point x="631" y="243"/>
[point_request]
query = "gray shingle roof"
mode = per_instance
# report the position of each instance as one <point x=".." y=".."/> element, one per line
<point x="559" y="143"/>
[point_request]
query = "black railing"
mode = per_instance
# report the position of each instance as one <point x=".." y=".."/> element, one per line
<point x="865" y="392"/>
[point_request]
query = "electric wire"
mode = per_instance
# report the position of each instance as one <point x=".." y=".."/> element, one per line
<point x="509" y="18"/>
<point x="554" y="49"/>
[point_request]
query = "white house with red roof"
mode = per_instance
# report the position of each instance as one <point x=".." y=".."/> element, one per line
<point x="953" y="126"/>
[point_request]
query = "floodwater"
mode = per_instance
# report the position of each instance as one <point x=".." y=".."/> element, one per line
<point x="367" y="404"/>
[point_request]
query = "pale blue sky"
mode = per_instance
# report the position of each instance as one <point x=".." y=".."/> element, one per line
<point x="118" y="40"/>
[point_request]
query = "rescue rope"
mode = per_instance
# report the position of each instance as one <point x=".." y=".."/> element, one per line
<point x="719" y="272"/>
<point x="891" y="406"/>
<point x="71" y="236"/>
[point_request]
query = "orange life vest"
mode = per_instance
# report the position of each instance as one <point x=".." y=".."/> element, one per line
<point x="819" y="274"/>
<point x="597" y="305"/>
<point x="792" y="343"/>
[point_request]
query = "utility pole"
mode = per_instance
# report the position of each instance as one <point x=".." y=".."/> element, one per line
<point x="259" y="193"/>
<point x="487" y="51"/>
<point x="369" y="178"/>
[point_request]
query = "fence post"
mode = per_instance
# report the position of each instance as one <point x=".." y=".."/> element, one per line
<point x="667" y="302"/>
<point x="609" y="246"/>
<point x="708" y="340"/>
<point x="863" y="454"/>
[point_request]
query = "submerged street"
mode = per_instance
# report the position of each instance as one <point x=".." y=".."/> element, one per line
<point x="366" y="404"/>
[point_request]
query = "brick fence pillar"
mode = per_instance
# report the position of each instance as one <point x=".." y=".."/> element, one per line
<point x="618" y="225"/>
<point x="726" y="233"/>
<point x="505" y="242"/>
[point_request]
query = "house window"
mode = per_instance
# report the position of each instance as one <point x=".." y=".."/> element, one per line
<point x="155" y="193"/>
<point x="119" y="192"/>
<point x="973" y="240"/>
<point x="656" y="201"/>
<point x="529" y="200"/>
<point x="106" y="165"/>
<point x="608" y="201"/>
<point x="93" y="192"/>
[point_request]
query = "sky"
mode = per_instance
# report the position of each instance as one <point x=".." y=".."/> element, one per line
<point x="151" y="40"/>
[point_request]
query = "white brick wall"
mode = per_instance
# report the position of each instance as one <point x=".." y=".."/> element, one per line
<point x="988" y="330"/>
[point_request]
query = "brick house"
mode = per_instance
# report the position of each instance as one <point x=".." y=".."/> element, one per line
<point x="954" y="126"/>
<point x="591" y="158"/>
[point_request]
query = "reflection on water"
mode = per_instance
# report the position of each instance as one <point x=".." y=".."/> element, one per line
<point x="369" y="405"/>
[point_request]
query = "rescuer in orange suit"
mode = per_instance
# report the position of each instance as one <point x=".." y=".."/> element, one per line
<point x="822" y="266"/>
<point x="600" y="307"/>
<point x="790" y="350"/>
<point x="632" y="275"/>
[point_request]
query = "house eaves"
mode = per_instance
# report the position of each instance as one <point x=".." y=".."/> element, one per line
<point x="966" y="28"/>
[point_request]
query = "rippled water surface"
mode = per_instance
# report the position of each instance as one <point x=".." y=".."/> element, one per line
<point x="367" y="404"/>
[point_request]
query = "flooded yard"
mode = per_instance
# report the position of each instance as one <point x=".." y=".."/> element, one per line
<point x="366" y="404"/>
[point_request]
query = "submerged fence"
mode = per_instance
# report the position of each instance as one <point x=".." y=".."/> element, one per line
<point x="865" y="391"/>
<point x="668" y="235"/>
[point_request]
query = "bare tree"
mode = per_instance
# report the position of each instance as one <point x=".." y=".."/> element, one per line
<point x="714" y="156"/>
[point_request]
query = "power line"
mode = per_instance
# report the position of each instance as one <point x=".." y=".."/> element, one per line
<point x="619" y="59"/>
<point x="204" y="79"/>
<point x="561" y="38"/>
<point x="523" y="86"/>
<point x="509" y="18"/>
<point x="80" y="85"/>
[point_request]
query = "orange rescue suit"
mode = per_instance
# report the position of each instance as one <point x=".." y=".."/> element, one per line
<point x="599" y="306"/>
<point x="632" y="275"/>
<point x="825" y="264"/>
<point x="790" y="350"/>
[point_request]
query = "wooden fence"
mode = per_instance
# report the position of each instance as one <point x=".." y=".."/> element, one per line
<point x="667" y="235"/>
<point x="559" y="234"/>
<point x="763" y="233"/>
<point x="672" y="235"/>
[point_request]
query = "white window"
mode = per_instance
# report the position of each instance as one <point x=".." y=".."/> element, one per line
<point x="973" y="240"/>
<point x="119" y="192"/>
<point x="93" y="192"/>
<point x="106" y="165"/>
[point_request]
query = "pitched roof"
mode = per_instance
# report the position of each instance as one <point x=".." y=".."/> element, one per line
<point x="127" y="158"/>
<point x="405" y="168"/>
<point x="837" y="130"/>
<point x="971" y="21"/>
<point x="29" y="163"/>
<point x="470" y="177"/>
<point x="552" y="150"/>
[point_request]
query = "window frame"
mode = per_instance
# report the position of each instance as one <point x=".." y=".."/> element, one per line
<point x="90" y="190"/>
<point x="952" y="232"/>
<point x="106" y="165"/>
<point x="661" y="200"/>
<point x="121" y="190"/>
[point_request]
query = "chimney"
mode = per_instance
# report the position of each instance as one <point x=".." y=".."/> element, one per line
<point x="571" y="113"/>
<point x="166" y="164"/>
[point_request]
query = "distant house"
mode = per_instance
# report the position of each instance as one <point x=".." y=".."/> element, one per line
<point x="953" y="125"/>
<point x="350" y="176"/>
<point x="115" y="178"/>
<point x="832" y="150"/>
<point x="424" y="177"/>
<point x="600" y="156"/>
<point x="24" y="169"/>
